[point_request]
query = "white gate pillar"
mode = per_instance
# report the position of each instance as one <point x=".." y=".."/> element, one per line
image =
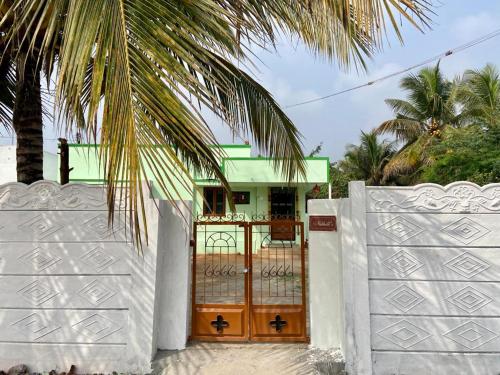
<point x="325" y="280"/>
<point x="338" y="277"/>
<point x="174" y="281"/>
<point x="355" y="281"/>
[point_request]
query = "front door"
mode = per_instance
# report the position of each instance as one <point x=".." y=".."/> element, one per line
<point x="247" y="286"/>
<point x="283" y="211"/>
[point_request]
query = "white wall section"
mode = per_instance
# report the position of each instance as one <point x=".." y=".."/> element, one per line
<point x="432" y="256"/>
<point x="72" y="289"/>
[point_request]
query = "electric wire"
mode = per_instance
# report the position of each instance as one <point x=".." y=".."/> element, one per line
<point x="442" y="55"/>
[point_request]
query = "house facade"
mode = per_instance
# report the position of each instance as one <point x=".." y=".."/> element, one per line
<point x="259" y="191"/>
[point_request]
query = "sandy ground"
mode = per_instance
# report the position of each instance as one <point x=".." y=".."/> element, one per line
<point x="239" y="359"/>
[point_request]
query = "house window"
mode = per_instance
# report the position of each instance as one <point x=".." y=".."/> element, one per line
<point x="214" y="203"/>
<point x="241" y="197"/>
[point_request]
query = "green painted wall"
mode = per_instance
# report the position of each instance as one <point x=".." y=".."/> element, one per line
<point x="261" y="171"/>
<point x="244" y="173"/>
<point x="84" y="160"/>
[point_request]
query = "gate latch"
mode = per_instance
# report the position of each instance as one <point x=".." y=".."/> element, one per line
<point x="219" y="323"/>
<point x="278" y="323"/>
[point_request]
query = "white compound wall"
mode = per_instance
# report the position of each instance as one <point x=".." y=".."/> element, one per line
<point x="75" y="291"/>
<point x="420" y="278"/>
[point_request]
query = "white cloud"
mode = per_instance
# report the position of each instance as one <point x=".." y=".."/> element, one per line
<point x="472" y="26"/>
<point x="369" y="101"/>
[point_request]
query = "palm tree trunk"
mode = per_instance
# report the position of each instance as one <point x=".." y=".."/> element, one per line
<point x="27" y="120"/>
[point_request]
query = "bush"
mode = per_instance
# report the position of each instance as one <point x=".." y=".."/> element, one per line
<point x="468" y="154"/>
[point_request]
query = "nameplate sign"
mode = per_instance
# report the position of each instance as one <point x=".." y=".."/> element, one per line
<point x="323" y="223"/>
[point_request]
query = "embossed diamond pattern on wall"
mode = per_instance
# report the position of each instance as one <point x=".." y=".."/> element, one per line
<point x="40" y="227"/>
<point x="39" y="259"/>
<point x="403" y="263"/>
<point x="399" y="229"/>
<point x="404" y="334"/>
<point x="465" y="230"/>
<point x="404" y="298"/>
<point x="471" y="335"/>
<point x="96" y="293"/>
<point x="99" y="225"/>
<point x="37" y="293"/>
<point x="96" y="327"/>
<point x="35" y="327"/>
<point x="467" y="265"/>
<point x="469" y="299"/>
<point x="98" y="259"/>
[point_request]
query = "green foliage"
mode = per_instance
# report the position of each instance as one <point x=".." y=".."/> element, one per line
<point x="316" y="151"/>
<point x="449" y="131"/>
<point x="470" y="154"/>
<point x="361" y="162"/>
<point x="340" y="181"/>
<point x="479" y="94"/>
<point x="138" y="72"/>
<point x="430" y="106"/>
<point x="368" y="160"/>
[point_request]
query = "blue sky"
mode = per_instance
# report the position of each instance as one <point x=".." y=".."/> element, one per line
<point x="293" y="75"/>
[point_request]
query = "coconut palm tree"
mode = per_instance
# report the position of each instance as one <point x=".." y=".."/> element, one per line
<point x="367" y="160"/>
<point x="137" y="73"/>
<point x="430" y="106"/>
<point x="479" y="95"/>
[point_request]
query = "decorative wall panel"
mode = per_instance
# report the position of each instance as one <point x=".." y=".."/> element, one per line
<point x="73" y="290"/>
<point x="434" y="276"/>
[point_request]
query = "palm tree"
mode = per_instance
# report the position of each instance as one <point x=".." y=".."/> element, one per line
<point x="138" y="71"/>
<point x="430" y="105"/>
<point x="429" y="108"/>
<point x="479" y="95"/>
<point x="368" y="160"/>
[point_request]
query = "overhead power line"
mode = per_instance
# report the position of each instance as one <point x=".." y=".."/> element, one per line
<point x="442" y="55"/>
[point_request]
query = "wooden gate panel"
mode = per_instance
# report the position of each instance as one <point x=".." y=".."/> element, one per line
<point x="224" y="321"/>
<point x="220" y="282"/>
<point x="246" y="284"/>
<point x="278" y="323"/>
<point x="278" y="280"/>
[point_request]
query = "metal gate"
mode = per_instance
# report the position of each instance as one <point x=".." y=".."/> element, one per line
<point x="246" y="284"/>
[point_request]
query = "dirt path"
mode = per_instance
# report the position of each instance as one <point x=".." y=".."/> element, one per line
<point x="239" y="359"/>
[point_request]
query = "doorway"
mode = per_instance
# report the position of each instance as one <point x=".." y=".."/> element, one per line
<point x="282" y="212"/>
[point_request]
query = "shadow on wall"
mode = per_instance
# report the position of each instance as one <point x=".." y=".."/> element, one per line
<point x="73" y="290"/>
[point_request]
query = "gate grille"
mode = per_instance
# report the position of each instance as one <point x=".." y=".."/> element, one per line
<point x="247" y="285"/>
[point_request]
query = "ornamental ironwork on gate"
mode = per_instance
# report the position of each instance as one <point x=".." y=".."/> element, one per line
<point x="248" y="281"/>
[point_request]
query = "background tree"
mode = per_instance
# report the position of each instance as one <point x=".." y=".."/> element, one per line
<point x="464" y="154"/>
<point x="367" y="160"/>
<point x="479" y="94"/>
<point x="430" y="106"/>
<point x="136" y="73"/>
<point x="464" y="146"/>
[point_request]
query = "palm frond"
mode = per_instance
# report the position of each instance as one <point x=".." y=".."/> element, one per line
<point x="7" y="92"/>
<point x="249" y="109"/>
<point x="404" y="129"/>
<point x="138" y="71"/>
<point x="479" y="94"/>
<point x="409" y="158"/>
<point x="404" y="108"/>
